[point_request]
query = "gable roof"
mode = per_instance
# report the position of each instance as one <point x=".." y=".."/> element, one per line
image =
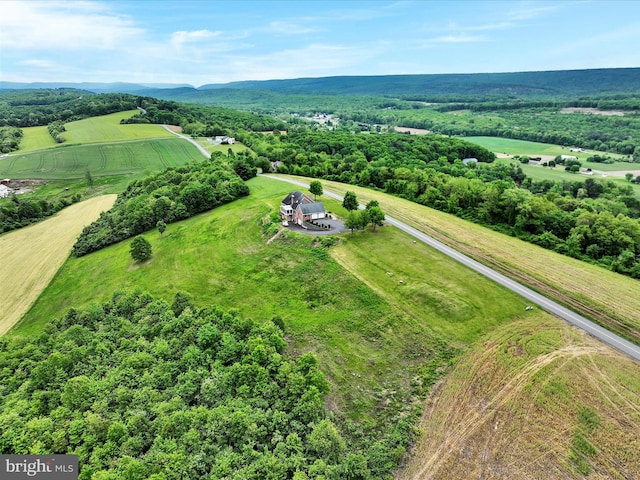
<point x="309" y="208"/>
<point x="295" y="198"/>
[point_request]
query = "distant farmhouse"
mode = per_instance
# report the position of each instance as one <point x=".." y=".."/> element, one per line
<point x="300" y="208"/>
<point x="223" y="140"/>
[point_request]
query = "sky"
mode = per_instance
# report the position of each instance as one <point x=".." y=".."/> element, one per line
<point x="202" y="42"/>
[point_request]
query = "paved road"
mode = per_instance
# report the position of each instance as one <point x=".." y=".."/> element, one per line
<point x="189" y="139"/>
<point x="543" y="302"/>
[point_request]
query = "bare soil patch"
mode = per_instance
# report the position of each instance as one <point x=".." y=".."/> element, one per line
<point x="593" y="111"/>
<point x="25" y="185"/>
<point x="412" y="131"/>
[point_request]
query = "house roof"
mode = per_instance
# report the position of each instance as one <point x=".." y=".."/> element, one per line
<point x="295" y="198"/>
<point x="309" y="208"/>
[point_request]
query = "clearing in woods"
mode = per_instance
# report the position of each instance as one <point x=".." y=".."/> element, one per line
<point x="32" y="255"/>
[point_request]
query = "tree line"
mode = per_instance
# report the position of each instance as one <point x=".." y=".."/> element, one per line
<point x="171" y="195"/>
<point x="138" y="388"/>
<point x="19" y="211"/>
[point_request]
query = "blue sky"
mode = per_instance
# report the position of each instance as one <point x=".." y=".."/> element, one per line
<point x="199" y="42"/>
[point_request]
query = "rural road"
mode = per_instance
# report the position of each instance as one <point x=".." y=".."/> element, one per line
<point x="189" y="139"/>
<point x="543" y="302"/>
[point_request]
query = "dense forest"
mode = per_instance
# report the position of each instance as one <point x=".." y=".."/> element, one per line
<point x="171" y="195"/>
<point x="138" y="388"/>
<point x="594" y="220"/>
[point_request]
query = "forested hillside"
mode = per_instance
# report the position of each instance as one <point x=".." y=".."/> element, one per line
<point x="140" y="389"/>
<point x="527" y="84"/>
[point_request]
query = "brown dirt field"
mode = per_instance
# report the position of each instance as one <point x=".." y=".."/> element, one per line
<point x="511" y="406"/>
<point x="32" y="255"/>
<point x="412" y="131"/>
<point x="592" y="111"/>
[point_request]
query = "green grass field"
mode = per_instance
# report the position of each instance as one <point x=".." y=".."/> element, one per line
<point x="105" y="128"/>
<point x="523" y="147"/>
<point x="104" y="159"/>
<point x="382" y="314"/>
<point x="613" y="303"/>
<point x="606" y="173"/>
<point x="357" y="329"/>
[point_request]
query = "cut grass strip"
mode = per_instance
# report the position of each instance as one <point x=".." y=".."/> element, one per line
<point x="32" y="255"/>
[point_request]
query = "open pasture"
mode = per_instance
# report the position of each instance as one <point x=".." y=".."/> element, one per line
<point x="36" y="138"/>
<point x="103" y="159"/>
<point x="510" y="146"/>
<point x="105" y="128"/>
<point x="222" y="257"/>
<point x="611" y="299"/>
<point x="32" y="255"/>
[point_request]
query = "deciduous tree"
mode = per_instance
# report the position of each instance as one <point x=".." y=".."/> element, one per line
<point x="140" y="249"/>
<point x="350" y="201"/>
<point x="315" y="188"/>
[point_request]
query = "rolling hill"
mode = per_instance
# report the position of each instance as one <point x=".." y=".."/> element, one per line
<point x="561" y="83"/>
<point x="382" y="342"/>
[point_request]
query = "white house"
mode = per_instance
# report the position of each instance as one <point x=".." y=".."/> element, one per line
<point x="4" y="191"/>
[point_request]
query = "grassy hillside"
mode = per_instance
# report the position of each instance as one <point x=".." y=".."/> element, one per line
<point x="606" y="297"/>
<point x="385" y="316"/>
<point x="363" y="340"/>
<point x="31" y="256"/>
<point x="104" y="128"/>
<point x="533" y="399"/>
<point x="104" y="159"/>
<point x="107" y="128"/>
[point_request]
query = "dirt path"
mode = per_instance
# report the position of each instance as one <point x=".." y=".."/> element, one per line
<point x="31" y="256"/>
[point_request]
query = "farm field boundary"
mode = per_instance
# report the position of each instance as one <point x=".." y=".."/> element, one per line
<point x="103" y="159"/>
<point x="104" y="128"/>
<point x="33" y="255"/>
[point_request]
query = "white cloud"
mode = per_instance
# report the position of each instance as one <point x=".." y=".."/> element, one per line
<point x="195" y="36"/>
<point x="529" y="10"/>
<point x="58" y="25"/>
<point x="39" y="63"/>
<point x="459" y="38"/>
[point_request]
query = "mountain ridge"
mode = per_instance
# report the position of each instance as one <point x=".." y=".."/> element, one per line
<point x="540" y="83"/>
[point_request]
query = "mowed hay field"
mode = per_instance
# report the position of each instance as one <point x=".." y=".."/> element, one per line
<point x="107" y="128"/>
<point x="610" y="299"/>
<point x="533" y="399"/>
<point x="103" y="159"/>
<point x="104" y="128"/>
<point x="32" y="255"/>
